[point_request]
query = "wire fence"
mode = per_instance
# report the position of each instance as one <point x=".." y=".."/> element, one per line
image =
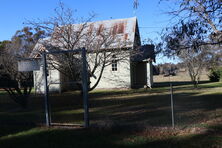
<point x="108" y="108"/>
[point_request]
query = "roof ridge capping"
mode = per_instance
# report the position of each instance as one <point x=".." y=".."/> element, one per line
<point x="119" y="19"/>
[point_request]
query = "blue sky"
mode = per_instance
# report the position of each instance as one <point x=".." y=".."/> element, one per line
<point x="150" y="14"/>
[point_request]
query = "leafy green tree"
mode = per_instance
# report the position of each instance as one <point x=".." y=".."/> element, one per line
<point x="215" y="74"/>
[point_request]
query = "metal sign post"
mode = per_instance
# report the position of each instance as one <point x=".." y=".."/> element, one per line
<point x="85" y="88"/>
<point x="172" y="105"/>
<point x="84" y="85"/>
<point x="47" y="111"/>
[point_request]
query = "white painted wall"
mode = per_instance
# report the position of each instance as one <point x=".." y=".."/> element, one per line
<point x="53" y="80"/>
<point x="110" y="79"/>
<point x="113" y="79"/>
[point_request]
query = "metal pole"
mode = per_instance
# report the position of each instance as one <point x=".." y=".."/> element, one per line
<point x="172" y="105"/>
<point x="85" y="88"/>
<point x="46" y="89"/>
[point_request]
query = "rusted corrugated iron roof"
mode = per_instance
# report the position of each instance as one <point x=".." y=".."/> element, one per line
<point x="123" y="27"/>
<point x="124" y="31"/>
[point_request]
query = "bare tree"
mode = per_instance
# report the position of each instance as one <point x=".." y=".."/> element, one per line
<point x="66" y="32"/>
<point x="135" y="4"/>
<point x="18" y="84"/>
<point x="196" y="35"/>
<point x="186" y="41"/>
<point x="195" y="63"/>
<point x="208" y="12"/>
<point x="205" y="11"/>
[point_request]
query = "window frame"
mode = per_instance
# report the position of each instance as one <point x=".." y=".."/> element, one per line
<point x="114" y="63"/>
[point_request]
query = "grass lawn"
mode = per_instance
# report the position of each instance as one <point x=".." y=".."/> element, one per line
<point x="119" y="118"/>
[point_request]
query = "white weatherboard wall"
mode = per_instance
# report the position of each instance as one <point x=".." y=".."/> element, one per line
<point x="110" y="79"/>
<point x="114" y="79"/>
<point x="53" y="80"/>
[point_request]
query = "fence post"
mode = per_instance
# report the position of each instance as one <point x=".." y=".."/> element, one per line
<point x="172" y="105"/>
<point x="85" y="88"/>
<point x="46" y="91"/>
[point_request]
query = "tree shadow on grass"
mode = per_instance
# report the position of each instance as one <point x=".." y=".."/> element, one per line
<point x="208" y="138"/>
<point x="61" y="138"/>
<point x="13" y="129"/>
<point x="112" y="138"/>
<point x="142" y="108"/>
<point x="155" y="110"/>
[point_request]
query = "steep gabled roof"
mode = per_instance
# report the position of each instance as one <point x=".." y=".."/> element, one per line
<point x="122" y="30"/>
<point x="125" y="29"/>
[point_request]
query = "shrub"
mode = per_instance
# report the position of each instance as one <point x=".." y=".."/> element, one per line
<point x="215" y="74"/>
